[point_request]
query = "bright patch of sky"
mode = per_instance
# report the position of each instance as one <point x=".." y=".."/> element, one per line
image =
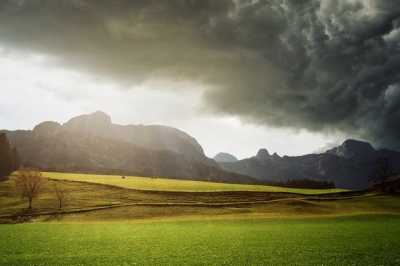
<point x="35" y="90"/>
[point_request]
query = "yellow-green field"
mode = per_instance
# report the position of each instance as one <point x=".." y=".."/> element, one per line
<point x="162" y="184"/>
<point x="105" y="222"/>
<point x="87" y="201"/>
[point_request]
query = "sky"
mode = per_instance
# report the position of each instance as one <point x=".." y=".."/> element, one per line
<point x="291" y="76"/>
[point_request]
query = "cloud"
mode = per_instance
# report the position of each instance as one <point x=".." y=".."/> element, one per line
<point x="316" y="65"/>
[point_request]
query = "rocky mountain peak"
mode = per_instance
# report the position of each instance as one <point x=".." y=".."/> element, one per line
<point x="263" y="154"/>
<point x="92" y="143"/>
<point x="353" y="149"/>
<point x="99" y="115"/>
<point x="152" y="137"/>
<point x="94" y="122"/>
<point x="275" y="156"/>
<point x="224" y="157"/>
<point x="47" y="128"/>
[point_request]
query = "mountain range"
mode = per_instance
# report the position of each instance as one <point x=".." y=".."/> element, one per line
<point x="352" y="165"/>
<point x="93" y="143"/>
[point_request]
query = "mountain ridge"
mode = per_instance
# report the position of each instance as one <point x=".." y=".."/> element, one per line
<point x="351" y="165"/>
<point x="92" y="143"/>
<point x="224" y="157"/>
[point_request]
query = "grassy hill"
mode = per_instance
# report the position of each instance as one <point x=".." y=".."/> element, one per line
<point x="96" y="197"/>
<point x="163" y="184"/>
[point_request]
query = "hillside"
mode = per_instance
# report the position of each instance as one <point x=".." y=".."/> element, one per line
<point x="224" y="157"/>
<point x="351" y="165"/>
<point x="98" y="198"/>
<point x="92" y="143"/>
<point x="164" y="184"/>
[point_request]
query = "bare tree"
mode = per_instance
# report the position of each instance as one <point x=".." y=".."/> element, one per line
<point x="61" y="195"/>
<point x="28" y="183"/>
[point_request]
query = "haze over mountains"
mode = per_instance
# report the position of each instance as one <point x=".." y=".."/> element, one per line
<point x="92" y="143"/>
<point x="351" y="165"/>
<point x="224" y="157"/>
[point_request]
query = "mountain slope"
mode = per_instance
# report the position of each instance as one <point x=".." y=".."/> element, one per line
<point x="352" y="165"/>
<point x="152" y="137"/>
<point x="91" y="143"/>
<point x="224" y="157"/>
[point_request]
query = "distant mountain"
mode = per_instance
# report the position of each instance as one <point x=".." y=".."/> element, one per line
<point x="149" y="137"/>
<point x="351" y="165"/>
<point x="354" y="149"/>
<point x="224" y="157"/>
<point x="92" y="143"/>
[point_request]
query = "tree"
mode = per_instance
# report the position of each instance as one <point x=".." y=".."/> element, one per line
<point x="6" y="160"/>
<point x="61" y="195"/>
<point x="9" y="158"/>
<point x="16" y="161"/>
<point x="28" y="183"/>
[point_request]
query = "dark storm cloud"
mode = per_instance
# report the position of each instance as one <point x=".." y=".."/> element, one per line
<point x="321" y="65"/>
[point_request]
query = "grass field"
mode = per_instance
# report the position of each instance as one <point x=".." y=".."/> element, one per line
<point x="162" y="184"/>
<point x="364" y="240"/>
<point x="98" y="202"/>
<point x="170" y="222"/>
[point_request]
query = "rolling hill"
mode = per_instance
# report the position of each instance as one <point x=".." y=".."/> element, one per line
<point x="164" y="184"/>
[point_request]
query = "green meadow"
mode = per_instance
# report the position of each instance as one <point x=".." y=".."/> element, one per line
<point x="144" y="221"/>
<point x="358" y="240"/>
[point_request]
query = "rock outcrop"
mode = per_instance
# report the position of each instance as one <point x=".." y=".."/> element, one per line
<point x="224" y="157"/>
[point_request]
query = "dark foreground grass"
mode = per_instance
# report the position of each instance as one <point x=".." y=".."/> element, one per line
<point x="363" y="240"/>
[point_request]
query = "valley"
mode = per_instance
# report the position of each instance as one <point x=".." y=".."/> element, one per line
<point x="199" y="132"/>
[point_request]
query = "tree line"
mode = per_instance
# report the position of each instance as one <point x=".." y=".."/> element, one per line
<point x="308" y="183"/>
